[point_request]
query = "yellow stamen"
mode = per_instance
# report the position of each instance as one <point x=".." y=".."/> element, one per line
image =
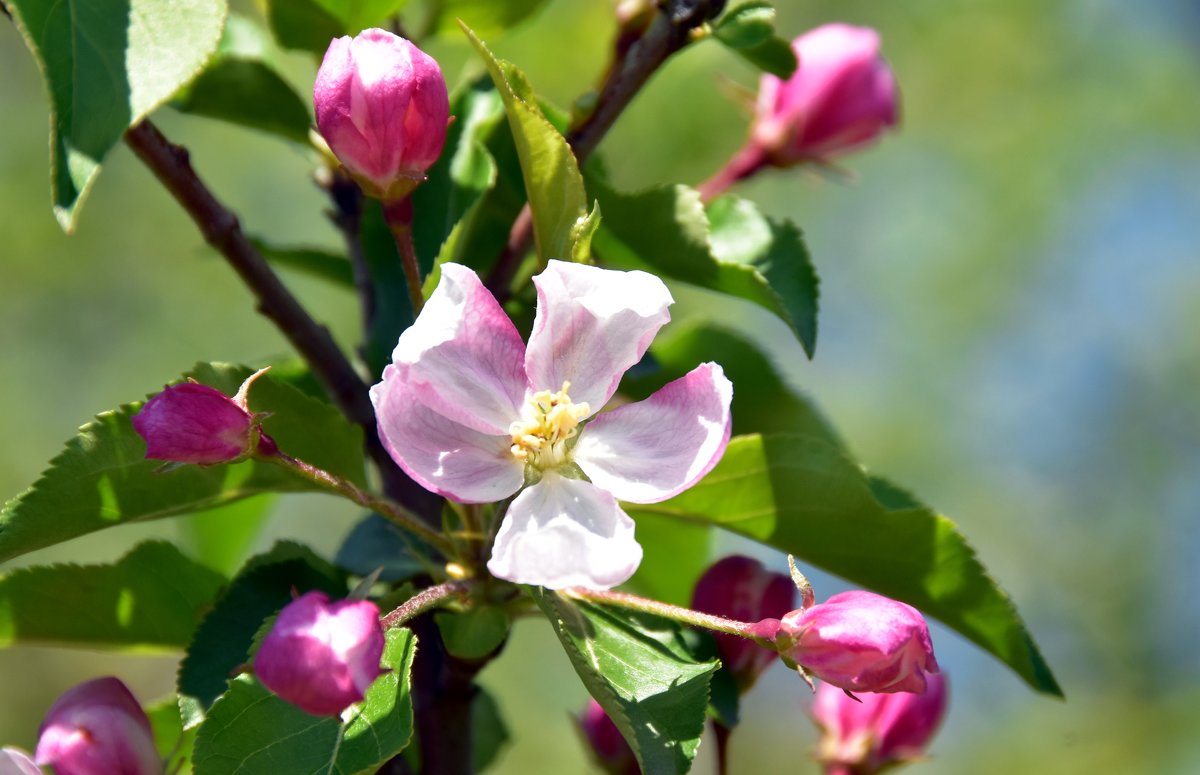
<point x="541" y="439"/>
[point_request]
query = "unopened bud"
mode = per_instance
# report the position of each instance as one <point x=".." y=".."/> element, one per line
<point x="98" y="728"/>
<point x="609" y="748"/>
<point x="860" y="642"/>
<point x="382" y="107"/>
<point x="322" y="656"/>
<point x="874" y="732"/>
<point x="741" y="588"/>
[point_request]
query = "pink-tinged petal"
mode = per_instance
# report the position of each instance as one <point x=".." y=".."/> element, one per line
<point x="654" y="449"/>
<point x="465" y="355"/>
<point x="14" y="761"/>
<point x="443" y="456"/>
<point x="591" y="325"/>
<point x="191" y="423"/>
<point x="98" y="728"/>
<point x="565" y="533"/>
<point x="873" y="732"/>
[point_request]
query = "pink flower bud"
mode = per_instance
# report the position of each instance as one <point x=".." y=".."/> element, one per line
<point x="841" y="97"/>
<point x="861" y="642"/>
<point x="98" y="728"/>
<point x="741" y="588"/>
<point x="322" y="656"/>
<point x="381" y="104"/>
<point x="14" y="761"/>
<point x="879" y="730"/>
<point x="608" y="745"/>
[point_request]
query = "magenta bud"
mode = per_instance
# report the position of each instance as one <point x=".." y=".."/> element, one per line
<point x="741" y="588"/>
<point x="194" y="423"/>
<point x="14" y="761"/>
<point x="876" y="731"/>
<point x="322" y="656"/>
<point x="861" y="642"/>
<point x="842" y="96"/>
<point x="382" y="107"/>
<point x="608" y="745"/>
<point x="98" y="728"/>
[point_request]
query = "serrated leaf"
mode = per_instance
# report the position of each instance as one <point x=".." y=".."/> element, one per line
<point x="315" y="262"/>
<point x="252" y="732"/>
<point x="640" y="671"/>
<point x="802" y="495"/>
<point x="746" y="24"/>
<point x="219" y="538"/>
<point x="665" y="230"/>
<point x="107" y="65"/>
<point x="222" y="641"/>
<point x="173" y="742"/>
<point x="101" y="479"/>
<point x="152" y="598"/>
<point x="486" y="17"/>
<point x="553" y="182"/>
<point x="310" y="25"/>
<point x="741" y="234"/>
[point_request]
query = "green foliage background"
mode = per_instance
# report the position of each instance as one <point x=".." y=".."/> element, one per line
<point x="1008" y="326"/>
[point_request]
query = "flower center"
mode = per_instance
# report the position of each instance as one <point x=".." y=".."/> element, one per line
<point x="551" y="420"/>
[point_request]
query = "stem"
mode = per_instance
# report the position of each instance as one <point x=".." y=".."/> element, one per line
<point x="399" y="215"/>
<point x="171" y="164"/>
<point x="347" y="489"/>
<point x="665" y="610"/>
<point x="749" y="160"/>
<point x="722" y="733"/>
<point x="423" y="601"/>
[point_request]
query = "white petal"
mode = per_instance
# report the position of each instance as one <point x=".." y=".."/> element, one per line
<point x="591" y="325"/>
<point x="657" y="448"/>
<point x="563" y="533"/>
<point x="465" y="354"/>
<point x="440" y="454"/>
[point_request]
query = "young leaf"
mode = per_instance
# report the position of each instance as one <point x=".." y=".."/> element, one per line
<point x="101" y="479"/>
<point x="222" y="641"/>
<point x="252" y="732"/>
<point x="107" y="65"/>
<point x="773" y="55"/>
<point x="746" y="24"/>
<point x="150" y="598"/>
<point x="556" y="194"/>
<point x="666" y="230"/>
<point x="487" y="17"/>
<point x="804" y="496"/>
<point x="641" y="672"/>
<point x="475" y="633"/>
<point x="309" y="25"/>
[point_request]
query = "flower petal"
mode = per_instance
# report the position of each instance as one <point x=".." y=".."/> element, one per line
<point x="591" y="325"/>
<point x="654" y="449"/>
<point x="465" y="355"/>
<point x="442" y="455"/>
<point x="563" y="533"/>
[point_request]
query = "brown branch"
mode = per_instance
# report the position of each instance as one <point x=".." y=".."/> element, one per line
<point x="171" y="164"/>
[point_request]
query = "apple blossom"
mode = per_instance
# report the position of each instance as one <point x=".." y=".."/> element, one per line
<point x="322" y="656"/>
<point x="98" y="728"/>
<point x="382" y="106"/>
<point x="873" y="732"/>
<point x="472" y="413"/>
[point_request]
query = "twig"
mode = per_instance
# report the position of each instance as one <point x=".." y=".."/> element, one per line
<point x="423" y="601"/>
<point x="665" y="610"/>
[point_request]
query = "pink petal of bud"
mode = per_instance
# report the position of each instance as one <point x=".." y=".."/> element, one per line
<point x="862" y="642"/>
<point x="98" y="728"/>
<point x="14" y="761"/>
<point x="741" y="588"/>
<point x="878" y="730"/>
<point x="608" y="745"/>
<point x="192" y="423"/>
<point x="382" y="106"/>
<point x="322" y="656"/>
<point x="841" y="97"/>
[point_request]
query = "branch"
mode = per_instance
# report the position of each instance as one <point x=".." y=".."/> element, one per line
<point x="171" y="164"/>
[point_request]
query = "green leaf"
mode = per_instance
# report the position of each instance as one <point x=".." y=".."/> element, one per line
<point x="152" y="597"/>
<point x="641" y="672"/>
<point x="219" y="538"/>
<point x="107" y="65"/>
<point x="392" y="312"/>
<point x="101" y="479"/>
<point x="552" y="180"/>
<point x="675" y="555"/>
<point x="474" y="633"/>
<point x="746" y="24"/>
<point x="804" y="496"/>
<point x="665" y="230"/>
<point x="486" y="17"/>
<point x="310" y="25"/>
<point x="174" y="743"/>
<point x="312" y="261"/>
<point x="741" y="234"/>
<point x="222" y="641"/>
<point x="248" y="93"/>
<point x="774" y="55"/>
<point x="376" y="543"/>
<point x="488" y="730"/>
<point x="252" y="732"/>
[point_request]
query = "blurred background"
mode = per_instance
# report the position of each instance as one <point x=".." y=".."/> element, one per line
<point x="1008" y="327"/>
